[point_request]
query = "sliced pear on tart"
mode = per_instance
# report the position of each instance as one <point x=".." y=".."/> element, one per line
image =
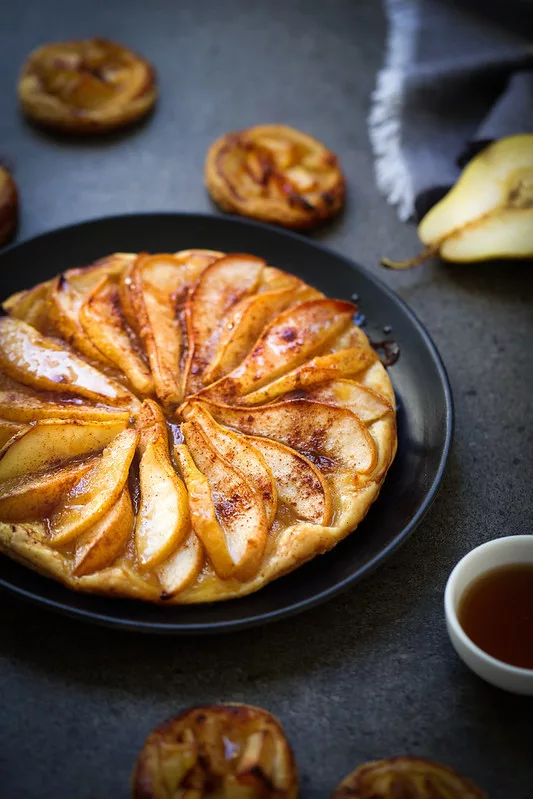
<point x="182" y="568"/>
<point x="322" y="368"/>
<point x="219" y="288"/>
<point x="240" y="454"/>
<point x="300" y="484"/>
<point x="332" y="437"/>
<point x="84" y="278"/>
<point x="170" y="275"/>
<point x="156" y="282"/>
<point x="37" y="361"/>
<point x="36" y="496"/>
<point x="31" y="306"/>
<point x="368" y="405"/>
<point x="103" y="323"/>
<point x="17" y="404"/>
<point x="163" y="517"/>
<point x="237" y="504"/>
<point x="64" y="313"/>
<point x="274" y="279"/>
<point x="87" y="501"/>
<point x="291" y="339"/>
<point x="67" y="295"/>
<point x="50" y="442"/>
<point x="150" y="423"/>
<point x="243" y="326"/>
<point x="203" y="515"/>
<point x="99" y="546"/>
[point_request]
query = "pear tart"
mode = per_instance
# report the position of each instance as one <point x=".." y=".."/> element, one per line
<point x="406" y="776"/>
<point x="184" y="428"/>
<point x="223" y="751"/>
<point x="87" y="86"/>
<point x="8" y="206"/>
<point x="277" y="174"/>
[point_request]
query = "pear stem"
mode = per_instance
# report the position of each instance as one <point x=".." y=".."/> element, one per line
<point x="416" y="261"/>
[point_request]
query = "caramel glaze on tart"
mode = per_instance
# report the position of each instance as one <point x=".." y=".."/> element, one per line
<point x="185" y="428"/>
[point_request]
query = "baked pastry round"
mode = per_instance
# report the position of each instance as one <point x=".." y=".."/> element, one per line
<point x="185" y="428"/>
<point x="406" y="776"/>
<point x="87" y="86"/>
<point x="276" y="174"/>
<point x="8" y="206"/>
<point x="217" y="750"/>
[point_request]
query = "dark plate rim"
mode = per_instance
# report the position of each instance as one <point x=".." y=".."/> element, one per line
<point x="176" y="628"/>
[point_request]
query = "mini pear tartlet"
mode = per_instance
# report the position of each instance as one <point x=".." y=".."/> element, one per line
<point x="8" y="206"/>
<point x="276" y="174"/>
<point x="87" y="86"/>
<point x="185" y="428"/>
<point x="217" y="750"/>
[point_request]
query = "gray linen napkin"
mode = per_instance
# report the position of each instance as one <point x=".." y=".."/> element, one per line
<point x="457" y="75"/>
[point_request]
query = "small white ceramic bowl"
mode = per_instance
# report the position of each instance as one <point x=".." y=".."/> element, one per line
<point x="493" y="554"/>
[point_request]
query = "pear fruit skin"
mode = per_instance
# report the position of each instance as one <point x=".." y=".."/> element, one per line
<point x="488" y="213"/>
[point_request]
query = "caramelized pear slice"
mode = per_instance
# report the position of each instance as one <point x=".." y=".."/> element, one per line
<point x="406" y="776"/>
<point x="103" y="543"/>
<point x="291" y="339"/>
<point x="182" y="568"/>
<point x="274" y="279"/>
<point x="203" y="516"/>
<point x="332" y="436"/>
<point x="245" y="323"/>
<point x="87" y="501"/>
<point x="18" y="405"/>
<point x="36" y="496"/>
<point x="163" y="517"/>
<point x="8" y="430"/>
<point x="65" y="304"/>
<point x="221" y="286"/>
<point x="232" y="751"/>
<point x="103" y="323"/>
<point x="150" y="423"/>
<point x="240" y="454"/>
<point x="37" y="361"/>
<point x="67" y="295"/>
<point x="48" y="443"/>
<point x="368" y="405"/>
<point x="156" y="282"/>
<point x="31" y="306"/>
<point x="237" y="504"/>
<point x="300" y="484"/>
<point x="344" y="363"/>
<point x="192" y="263"/>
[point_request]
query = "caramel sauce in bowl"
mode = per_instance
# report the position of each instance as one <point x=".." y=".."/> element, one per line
<point x="488" y="606"/>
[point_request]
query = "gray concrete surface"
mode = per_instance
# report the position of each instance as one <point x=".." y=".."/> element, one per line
<point x="371" y="674"/>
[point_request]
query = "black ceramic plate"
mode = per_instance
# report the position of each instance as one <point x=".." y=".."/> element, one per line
<point x="420" y="381"/>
